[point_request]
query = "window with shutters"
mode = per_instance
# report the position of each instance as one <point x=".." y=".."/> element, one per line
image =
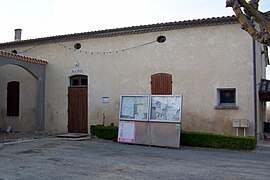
<point x="13" y="98"/>
<point x="161" y="84"/>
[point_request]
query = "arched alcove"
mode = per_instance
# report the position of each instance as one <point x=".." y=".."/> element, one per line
<point x="37" y="69"/>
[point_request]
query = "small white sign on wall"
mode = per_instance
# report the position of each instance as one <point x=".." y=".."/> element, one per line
<point x="105" y="99"/>
<point x="76" y="71"/>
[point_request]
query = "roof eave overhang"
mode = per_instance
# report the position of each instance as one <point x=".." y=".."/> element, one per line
<point x="23" y="58"/>
<point x="124" y="31"/>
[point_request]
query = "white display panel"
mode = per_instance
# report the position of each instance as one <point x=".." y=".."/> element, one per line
<point x="126" y="131"/>
<point x="166" y="108"/>
<point x="134" y="107"/>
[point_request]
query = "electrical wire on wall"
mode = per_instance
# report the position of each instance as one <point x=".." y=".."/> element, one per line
<point x="107" y="52"/>
<point x="77" y="46"/>
<point x="29" y="49"/>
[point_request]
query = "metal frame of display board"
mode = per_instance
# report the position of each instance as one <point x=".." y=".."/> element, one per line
<point x="136" y="125"/>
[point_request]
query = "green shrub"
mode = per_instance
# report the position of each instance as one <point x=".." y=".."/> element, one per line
<point x="104" y="132"/>
<point x="199" y="139"/>
<point x="195" y="139"/>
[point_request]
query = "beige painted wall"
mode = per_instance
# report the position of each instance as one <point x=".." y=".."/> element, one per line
<point x="26" y="119"/>
<point x="200" y="60"/>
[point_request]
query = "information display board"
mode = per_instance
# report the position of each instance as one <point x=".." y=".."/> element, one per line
<point x="134" y="107"/>
<point x="166" y="108"/>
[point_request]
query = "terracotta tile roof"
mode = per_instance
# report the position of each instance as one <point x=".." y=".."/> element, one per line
<point x="125" y="31"/>
<point x="22" y="58"/>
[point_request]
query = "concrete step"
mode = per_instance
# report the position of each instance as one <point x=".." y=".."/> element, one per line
<point x="72" y="135"/>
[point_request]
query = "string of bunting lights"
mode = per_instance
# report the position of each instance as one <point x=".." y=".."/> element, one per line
<point x="159" y="39"/>
<point x="29" y="49"/>
<point x="106" y="52"/>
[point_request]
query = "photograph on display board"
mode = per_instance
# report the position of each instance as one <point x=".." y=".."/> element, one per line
<point x="134" y="108"/>
<point x="166" y="108"/>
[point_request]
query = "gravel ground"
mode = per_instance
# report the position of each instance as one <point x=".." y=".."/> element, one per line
<point x="55" y="158"/>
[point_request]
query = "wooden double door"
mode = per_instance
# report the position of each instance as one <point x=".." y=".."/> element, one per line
<point x="77" y="109"/>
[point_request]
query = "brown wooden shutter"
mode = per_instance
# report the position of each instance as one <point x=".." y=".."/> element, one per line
<point x="13" y="98"/>
<point x="161" y="84"/>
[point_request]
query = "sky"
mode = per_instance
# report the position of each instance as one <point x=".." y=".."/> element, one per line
<point x="43" y="18"/>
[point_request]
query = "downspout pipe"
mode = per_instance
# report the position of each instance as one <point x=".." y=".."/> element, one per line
<point x="255" y="88"/>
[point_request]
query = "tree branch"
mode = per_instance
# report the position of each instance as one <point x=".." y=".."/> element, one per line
<point x="251" y="9"/>
<point x="251" y="13"/>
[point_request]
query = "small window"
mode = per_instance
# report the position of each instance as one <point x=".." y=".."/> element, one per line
<point x="84" y="81"/>
<point x="226" y="99"/>
<point x="14" y="51"/>
<point x="77" y="46"/>
<point x="13" y="98"/>
<point x="161" y="39"/>
<point x="79" y="80"/>
<point x="75" y="82"/>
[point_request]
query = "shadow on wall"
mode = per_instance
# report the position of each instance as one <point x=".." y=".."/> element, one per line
<point x="268" y="112"/>
<point x="2" y="120"/>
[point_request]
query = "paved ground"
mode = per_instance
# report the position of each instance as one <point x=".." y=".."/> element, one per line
<point x="54" y="158"/>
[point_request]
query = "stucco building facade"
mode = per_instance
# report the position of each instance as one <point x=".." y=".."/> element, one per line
<point x="214" y="64"/>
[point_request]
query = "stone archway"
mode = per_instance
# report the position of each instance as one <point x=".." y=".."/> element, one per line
<point x="35" y="67"/>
